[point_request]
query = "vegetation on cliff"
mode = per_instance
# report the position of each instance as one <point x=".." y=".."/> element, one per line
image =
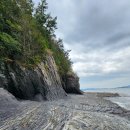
<point x="27" y="34"/>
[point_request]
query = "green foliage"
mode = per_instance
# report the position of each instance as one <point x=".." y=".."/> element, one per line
<point x="14" y="26"/>
<point x="61" y="57"/>
<point x="27" y="35"/>
<point x="9" y="44"/>
<point x="45" y="21"/>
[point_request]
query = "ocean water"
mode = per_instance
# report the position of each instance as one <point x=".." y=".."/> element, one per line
<point x="123" y="101"/>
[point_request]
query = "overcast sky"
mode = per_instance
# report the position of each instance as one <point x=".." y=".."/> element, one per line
<point x="98" y="33"/>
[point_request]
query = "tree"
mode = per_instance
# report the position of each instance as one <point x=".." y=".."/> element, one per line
<point x="9" y="44"/>
<point x="26" y="34"/>
<point x="44" y="20"/>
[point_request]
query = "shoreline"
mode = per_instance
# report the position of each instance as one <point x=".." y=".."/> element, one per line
<point x="113" y="97"/>
<point x="106" y="96"/>
<point x="76" y="112"/>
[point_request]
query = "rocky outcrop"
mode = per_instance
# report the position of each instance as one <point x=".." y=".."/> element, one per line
<point x="78" y="112"/>
<point x="71" y="83"/>
<point x="41" y="83"/>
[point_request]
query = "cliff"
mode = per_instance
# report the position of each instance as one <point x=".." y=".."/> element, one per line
<point x="71" y="83"/>
<point x="41" y="83"/>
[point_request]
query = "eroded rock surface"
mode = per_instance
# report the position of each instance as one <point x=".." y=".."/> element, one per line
<point x="43" y="82"/>
<point x="71" y="84"/>
<point x="76" y="112"/>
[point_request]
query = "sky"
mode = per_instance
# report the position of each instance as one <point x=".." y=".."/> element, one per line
<point x="98" y="34"/>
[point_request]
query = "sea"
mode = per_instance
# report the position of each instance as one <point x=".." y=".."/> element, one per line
<point x="123" y="100"/>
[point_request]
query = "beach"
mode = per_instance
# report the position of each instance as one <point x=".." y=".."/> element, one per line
<point x="123" y="100"/>
<point x="76" y="112"/>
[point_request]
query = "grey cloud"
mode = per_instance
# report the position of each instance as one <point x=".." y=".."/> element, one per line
<point x="92" y="22"/>
<point x="98" y="33"/>
<point x="119" y="37"/>
<point x="99" y="21"/>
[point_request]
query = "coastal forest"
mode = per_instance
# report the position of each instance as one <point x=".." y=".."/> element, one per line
<point x="27" y="35"/>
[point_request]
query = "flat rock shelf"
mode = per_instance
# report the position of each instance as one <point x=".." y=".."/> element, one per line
<point x="76" y="112"/>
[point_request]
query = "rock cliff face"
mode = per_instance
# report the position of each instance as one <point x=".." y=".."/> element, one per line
<point x="71" y="84"/>
<point x="42" y="83"/>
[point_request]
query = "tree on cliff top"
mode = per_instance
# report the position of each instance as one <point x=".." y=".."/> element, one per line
<point x="26" y="33"/>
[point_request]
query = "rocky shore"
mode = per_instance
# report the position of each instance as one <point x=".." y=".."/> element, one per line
<point x="75" y="112"/>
